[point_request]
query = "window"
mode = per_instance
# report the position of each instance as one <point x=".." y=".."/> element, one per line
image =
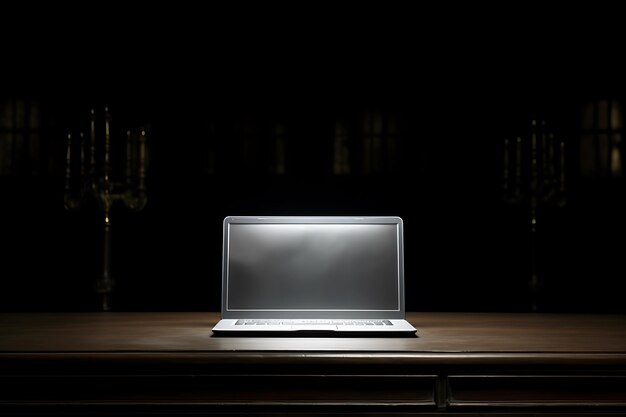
<point x="20" y="137"/>
<point x="341" y="151"/>
<point x="376" y="149"/>
<point x="601" y="139"/>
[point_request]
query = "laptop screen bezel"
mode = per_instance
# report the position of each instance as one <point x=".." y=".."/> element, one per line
<point x="227" y="313"/>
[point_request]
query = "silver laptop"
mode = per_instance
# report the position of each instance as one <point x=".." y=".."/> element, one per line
<point x="313" y="275"/>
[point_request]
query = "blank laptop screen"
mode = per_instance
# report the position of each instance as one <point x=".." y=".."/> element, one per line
<point x="313" y="267"/>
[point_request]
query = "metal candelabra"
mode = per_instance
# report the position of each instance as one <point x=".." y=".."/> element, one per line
<point x="534" y="175"/>
<point x="94" y="183"/>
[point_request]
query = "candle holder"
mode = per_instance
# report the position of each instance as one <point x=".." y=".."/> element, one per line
<point x="534" y="176"/>
<point x="94" y="184"/>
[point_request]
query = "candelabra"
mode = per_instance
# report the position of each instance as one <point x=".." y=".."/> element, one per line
<point x="534" y="177"/>
<point x="94" y="183"/>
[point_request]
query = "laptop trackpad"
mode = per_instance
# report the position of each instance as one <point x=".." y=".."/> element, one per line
<point x="314" y="327"/>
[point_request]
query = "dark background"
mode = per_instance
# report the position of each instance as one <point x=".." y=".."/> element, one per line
<point x="211" y="90"/>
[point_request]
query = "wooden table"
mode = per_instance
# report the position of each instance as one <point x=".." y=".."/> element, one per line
<point x="170" y="364"/>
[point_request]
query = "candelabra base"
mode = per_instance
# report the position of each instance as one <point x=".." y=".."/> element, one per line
<point x="106" y="305"/>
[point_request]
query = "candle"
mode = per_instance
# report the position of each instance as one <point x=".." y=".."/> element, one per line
<point x="68" y="169"/>
<point x="544" y="154"/>
<point x="533" y="157"/>
<point x="107" y="143"/>
<point x="562" y="166"/>
<point x="92" y="150"/>
<point x="142" y="155"/>
<point x="128" y="156"/>
<point x="68" y="201"/>
<point x="106" y="121"/>
<point x="533" y="174"/>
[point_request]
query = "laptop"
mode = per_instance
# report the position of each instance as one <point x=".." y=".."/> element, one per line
<point x="291" y="276"/>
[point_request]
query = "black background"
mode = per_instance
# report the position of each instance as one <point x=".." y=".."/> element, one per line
<point x="459" y="83"/>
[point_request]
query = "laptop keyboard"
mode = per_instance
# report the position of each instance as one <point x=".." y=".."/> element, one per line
<point x="265" y="322"/>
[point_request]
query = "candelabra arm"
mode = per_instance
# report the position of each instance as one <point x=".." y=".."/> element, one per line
<point x="70" y="202"/>
<point x="135" y="201"/>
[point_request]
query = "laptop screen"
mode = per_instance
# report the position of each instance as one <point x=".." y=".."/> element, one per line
<point x="332" y="266"/>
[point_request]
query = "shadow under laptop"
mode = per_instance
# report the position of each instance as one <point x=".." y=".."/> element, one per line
<point x="314" y="334"/>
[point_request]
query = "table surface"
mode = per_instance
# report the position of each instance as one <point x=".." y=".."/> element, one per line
<point x="453" y="334"/>
<point x="123" y="363"/>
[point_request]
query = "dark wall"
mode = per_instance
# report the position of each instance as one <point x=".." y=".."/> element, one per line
<point x="210" y="114"/>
